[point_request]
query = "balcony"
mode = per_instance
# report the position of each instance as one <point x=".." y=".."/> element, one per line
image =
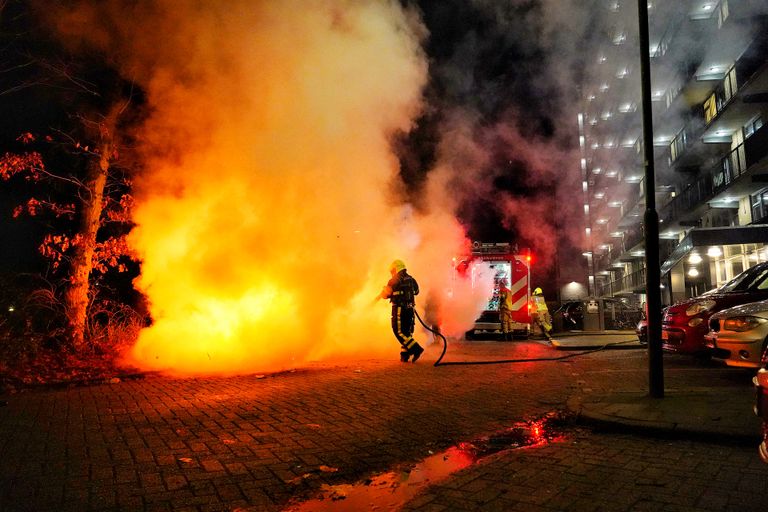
<point x="630" y="283"/>
<point x="718" y="178"/>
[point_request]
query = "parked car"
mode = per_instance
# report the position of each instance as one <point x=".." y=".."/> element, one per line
<point x="685" y="324"/>
<point x="641" y="329"/>
<point x="761" y="406"/>
<point x="739" y="335"/>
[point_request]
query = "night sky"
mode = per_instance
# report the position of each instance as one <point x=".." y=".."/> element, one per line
<point x="477" y="61"/>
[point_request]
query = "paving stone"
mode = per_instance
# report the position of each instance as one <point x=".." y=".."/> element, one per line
<point x="124" y="446"/>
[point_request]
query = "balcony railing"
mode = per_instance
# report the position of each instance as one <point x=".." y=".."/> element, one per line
<point x="630" y="283"/>
<point x="728" y="169"/>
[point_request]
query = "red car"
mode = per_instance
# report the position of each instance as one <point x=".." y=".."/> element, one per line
<point x="684" y="324"/>
<point x="761" y="405"/>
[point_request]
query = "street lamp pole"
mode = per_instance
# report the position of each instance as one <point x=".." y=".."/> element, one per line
<point x="651" y="217"/>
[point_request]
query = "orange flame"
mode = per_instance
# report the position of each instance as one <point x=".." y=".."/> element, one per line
<point x="270" y="207"/>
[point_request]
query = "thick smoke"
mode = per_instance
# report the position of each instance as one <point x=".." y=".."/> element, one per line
<point x="270" y="207"/>
<point x="507" y="92"/>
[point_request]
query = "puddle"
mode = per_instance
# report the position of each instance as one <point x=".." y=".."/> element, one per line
<point x="392" y="490"/>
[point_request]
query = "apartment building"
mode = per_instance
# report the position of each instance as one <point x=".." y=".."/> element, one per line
<point x="709" y="74"/>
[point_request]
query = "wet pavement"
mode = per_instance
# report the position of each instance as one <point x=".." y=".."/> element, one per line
<point x="447" y="434"/>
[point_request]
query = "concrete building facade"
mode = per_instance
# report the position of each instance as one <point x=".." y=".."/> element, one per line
<point x="709" y="75"/>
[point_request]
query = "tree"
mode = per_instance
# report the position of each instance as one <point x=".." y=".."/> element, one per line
<point x="90" y="240"/>
<point x="70" y="165"/>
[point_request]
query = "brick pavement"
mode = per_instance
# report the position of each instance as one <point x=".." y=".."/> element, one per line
<point x="586" y="472"/>
<point x="254" y="443"/>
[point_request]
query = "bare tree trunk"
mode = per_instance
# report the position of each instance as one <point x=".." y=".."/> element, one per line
<point x="77" y="295"/>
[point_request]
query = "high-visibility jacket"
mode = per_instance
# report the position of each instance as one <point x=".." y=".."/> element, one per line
<point x="538" y="304"/>
<point x="505" y="298"/>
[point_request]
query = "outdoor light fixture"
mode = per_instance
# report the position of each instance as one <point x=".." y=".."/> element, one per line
<point x="694" y="258"/>
<point x="714" y="252"/>
<point x="693" y="272"/>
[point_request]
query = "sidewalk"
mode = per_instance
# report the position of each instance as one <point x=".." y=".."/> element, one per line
<point x="717" y="414"/>
<point x="580" y="340"/>
<point x="722" y="415"/>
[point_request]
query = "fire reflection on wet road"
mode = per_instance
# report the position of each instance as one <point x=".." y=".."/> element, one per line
<point x="393" y="489"/>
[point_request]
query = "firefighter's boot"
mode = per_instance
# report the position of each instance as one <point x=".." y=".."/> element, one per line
<point x="416" y="351"/>
<point x="404" y="355"/>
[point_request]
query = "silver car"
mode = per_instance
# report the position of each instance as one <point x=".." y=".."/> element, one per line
<point x="739" y="335"/>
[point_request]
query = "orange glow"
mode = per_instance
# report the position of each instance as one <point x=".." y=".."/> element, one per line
<point x="270" y="204"/>
<point x="537" y="432"/>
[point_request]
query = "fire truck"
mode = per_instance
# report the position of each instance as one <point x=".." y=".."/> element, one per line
<point x="509" y="266"/>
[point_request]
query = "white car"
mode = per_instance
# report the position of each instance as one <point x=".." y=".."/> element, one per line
<point x="739" y="335"/>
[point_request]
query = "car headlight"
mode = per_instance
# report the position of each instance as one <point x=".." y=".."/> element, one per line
<point x="700" y="307"/>
<point x="742" y="323"/>
<point x="693" y="322"/>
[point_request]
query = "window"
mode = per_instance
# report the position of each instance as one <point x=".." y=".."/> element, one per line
<point x="722" y="13"/>
<point x="672" y="92"/>
<point x="759" y="204"/>
<point x="678" y="145"/>
<point x="751" y="127"/>
<point x="729" y="85"/>
<point x="710" y="108"/>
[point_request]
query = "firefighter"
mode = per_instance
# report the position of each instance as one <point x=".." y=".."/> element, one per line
<point x="540" y="313"/>
<point x="505" y="311"/>
<point x="401" y="291"/>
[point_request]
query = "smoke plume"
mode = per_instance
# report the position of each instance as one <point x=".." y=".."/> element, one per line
<point x="270" y="206"/>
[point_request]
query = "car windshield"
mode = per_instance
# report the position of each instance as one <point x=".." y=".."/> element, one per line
<point x="754" y="278"/>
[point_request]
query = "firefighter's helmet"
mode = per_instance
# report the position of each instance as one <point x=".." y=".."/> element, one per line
<point x="538" y="291"/>
<point x="396" y="266"/>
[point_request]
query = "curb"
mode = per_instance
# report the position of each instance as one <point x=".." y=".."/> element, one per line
<point x="658" y="429"/>
<point x="607" y="346"/>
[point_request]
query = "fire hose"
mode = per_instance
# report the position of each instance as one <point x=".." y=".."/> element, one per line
<point x="501" y="361"/>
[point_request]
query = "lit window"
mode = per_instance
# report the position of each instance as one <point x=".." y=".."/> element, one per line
<point x="710" y="108"/>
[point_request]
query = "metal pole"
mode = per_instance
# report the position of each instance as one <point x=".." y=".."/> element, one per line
<point x="651" y="218"/>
